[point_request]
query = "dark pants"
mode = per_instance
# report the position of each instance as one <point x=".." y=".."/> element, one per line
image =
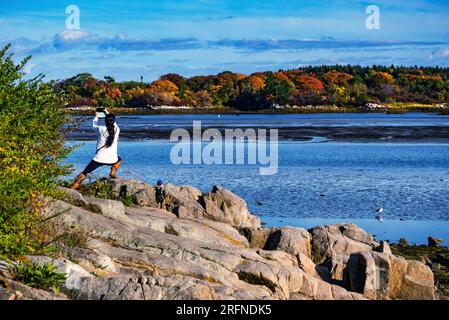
<point x="93" y="165"/>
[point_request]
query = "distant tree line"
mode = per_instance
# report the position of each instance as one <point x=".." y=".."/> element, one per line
<point x="323" y="85"/>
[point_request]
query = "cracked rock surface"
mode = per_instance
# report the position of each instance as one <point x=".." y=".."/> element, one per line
<point x="209" y="246"/>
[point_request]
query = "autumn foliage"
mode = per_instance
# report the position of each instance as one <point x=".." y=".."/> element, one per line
<point x="325" y="85"/>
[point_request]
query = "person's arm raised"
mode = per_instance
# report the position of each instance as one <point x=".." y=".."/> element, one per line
<point x="95" y="121"/>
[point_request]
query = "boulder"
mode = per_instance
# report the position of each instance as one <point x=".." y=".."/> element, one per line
<point x="280" y="280"/>
<point x="224" y="206"/>
<point x="104" y="262"/>
<point x="126" y="188"/>
<point x="317" y="289"/>
<point x="369" y="273"/>
<point x="237" y="271"/>
<point x="279" y="256"/>
<point x="384" y="276"/>
<point x="307" y="265"/>
<point x="288" y="239"/>
<point x="339" y="293"/>
<point x="145" y="197"/>
<point x="183" y="201"/>
<point x="153" y="218"/>
<point x="383" y="247"/>
<point x="192" y="192"/>
<point x="257" y="237"/>
<point x="411" y="280"/>
<point x="195" y="228"/>
<point x="188" y="202"/>
<point x="332" y="246"/>
<point x="108" y="208"/>
<point x="205" y="230"/>
<point x="73" y="197"/>
<point x="95" y="224"/>
<point x="189" y="289"/>
<point x="111" y="288"/>
<point x="208" y="246"/>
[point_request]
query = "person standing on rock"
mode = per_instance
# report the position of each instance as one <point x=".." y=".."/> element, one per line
<point x="106" y="154"/>
<point x="161" y="194"/>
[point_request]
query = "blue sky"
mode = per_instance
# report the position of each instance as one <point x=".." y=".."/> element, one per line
<point x="127" y="39"/>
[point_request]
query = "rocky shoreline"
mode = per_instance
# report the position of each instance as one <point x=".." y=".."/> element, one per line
<point x="274" y="109"/>
<point x="207" y="245"/>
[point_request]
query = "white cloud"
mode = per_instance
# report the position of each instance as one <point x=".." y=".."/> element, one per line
<point x="442" y="53"/>
<point x="72" y="35"/>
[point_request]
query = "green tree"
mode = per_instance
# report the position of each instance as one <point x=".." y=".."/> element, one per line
<point x="109" y="79"/>
<point x="177" y="79"/>
<point x="32" y="147"/>
<point x="278" y="89"/>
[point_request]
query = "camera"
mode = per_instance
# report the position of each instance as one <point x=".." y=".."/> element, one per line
<point x="101" y="112"/>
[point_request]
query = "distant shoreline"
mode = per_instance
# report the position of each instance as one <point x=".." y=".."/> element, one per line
<point x="394" y="109"/>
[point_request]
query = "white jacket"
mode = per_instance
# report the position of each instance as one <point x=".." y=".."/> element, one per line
<point x="105" y="155"/>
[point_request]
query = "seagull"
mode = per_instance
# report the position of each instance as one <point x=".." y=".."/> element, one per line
<point x="380" y="215"/>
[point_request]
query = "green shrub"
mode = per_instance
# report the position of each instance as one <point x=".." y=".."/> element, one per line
<point x="32" y="147"/>
<point x="37" y="276"/>
<point x="100" y="188"/>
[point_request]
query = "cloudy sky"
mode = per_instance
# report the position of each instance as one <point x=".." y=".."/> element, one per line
<point x="128" y="39"/>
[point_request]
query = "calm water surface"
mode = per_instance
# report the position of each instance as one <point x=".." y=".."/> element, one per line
<point x="317" y="182"/>
<point x="283" y="120"/>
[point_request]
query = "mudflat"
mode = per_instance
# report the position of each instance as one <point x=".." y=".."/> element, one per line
<point x="301" y="133"/>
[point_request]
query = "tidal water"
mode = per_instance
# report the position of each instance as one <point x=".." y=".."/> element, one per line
<point x="318" y="181"/>
<point x="282" y="120"/>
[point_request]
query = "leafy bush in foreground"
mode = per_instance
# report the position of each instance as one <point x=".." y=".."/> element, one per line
<point x="32" y="147"/>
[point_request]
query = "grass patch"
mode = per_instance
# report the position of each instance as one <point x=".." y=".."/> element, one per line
<point x="38" y="276"/>
<point x="402" y="107"/>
